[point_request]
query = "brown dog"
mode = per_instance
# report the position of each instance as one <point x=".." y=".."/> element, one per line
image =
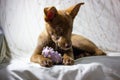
<point x="58" y="35"/>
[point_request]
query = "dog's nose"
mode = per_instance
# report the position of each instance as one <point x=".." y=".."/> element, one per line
<point x="67" y="45"/>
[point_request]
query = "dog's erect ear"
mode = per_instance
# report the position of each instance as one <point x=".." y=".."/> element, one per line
<point x="50" y="13"/>
<point x="73" y="10"/>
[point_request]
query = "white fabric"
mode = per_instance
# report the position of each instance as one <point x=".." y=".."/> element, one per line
<point x="4" y="50"/>
<point x="91" y="68"/>
<point x="98" y="20"/>
<point x="22" y="22"/>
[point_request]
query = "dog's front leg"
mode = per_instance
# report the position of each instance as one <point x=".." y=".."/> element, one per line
<point x="37" y="57"/>
<point x="68" y="58"/>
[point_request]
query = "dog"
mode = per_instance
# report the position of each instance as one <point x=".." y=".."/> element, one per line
<point x="58" y="35"/>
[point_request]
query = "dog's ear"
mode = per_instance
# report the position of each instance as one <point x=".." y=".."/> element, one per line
<point x="73" y="10"/>
<point x="50" y="13"/>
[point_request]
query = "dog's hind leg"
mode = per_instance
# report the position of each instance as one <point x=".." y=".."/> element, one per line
<point x="83" y="47"/>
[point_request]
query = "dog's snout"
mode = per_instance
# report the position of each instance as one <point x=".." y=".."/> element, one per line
<point x="64" y="43"/>
<point x="67" y="45"/>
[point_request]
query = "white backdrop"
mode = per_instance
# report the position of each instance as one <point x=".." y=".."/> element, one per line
<point x="22" y="21"/>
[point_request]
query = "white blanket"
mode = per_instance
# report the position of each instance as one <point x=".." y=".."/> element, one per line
<point x="22" y="22"/>
<point x="90" y="68"/>
<point x="98" y="20"/>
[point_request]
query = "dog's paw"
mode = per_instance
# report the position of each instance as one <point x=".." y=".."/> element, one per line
<point x="46" y="62"/>
<point x="99" y="52"/>
<point x="68" y="61"/>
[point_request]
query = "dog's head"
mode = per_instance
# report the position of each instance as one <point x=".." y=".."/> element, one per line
<point x="59" y="24"/>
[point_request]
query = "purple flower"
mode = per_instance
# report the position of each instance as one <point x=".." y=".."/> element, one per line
<point x="53" y="55"/>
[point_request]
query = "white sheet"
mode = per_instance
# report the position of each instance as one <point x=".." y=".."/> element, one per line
<point x="98" y="20"/>
<point x="4" y="50"/>
<point x="89" y="68"/>
<point x="22" y="22"/>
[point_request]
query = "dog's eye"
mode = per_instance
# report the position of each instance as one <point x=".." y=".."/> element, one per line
<point x="57" y="37"/>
